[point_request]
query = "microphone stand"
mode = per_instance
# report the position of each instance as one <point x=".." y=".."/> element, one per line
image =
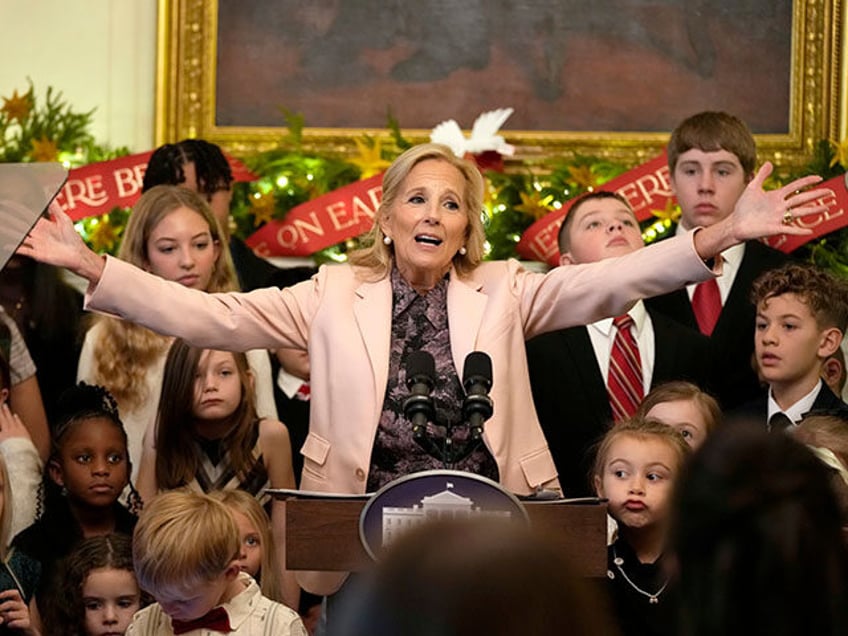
<point x="477" y="407"/>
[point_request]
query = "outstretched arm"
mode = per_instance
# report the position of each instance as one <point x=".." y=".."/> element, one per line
<point x="263" y="319"/>
<point x="760" y="213"/>
<point x="55" y="241"/>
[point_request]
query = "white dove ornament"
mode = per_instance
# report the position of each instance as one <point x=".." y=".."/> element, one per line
<point x="483" y="137"/>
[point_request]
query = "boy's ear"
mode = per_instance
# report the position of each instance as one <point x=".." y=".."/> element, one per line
<point x="830" y="341"/>
<point x="232" y="571"/>
<point x="565" y="259"/>
<point x="831" y="372"/>
<point x="4" y="395"/>
<point x="55" y="472"/>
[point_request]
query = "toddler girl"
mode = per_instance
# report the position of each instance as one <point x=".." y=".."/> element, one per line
<point x="208" y="436"/>
<point x="683" y="406"/>
<point x="87" y="470"/>
<point x="635" y="468"/>
<point x="19" y="573"/>
<point x="97" y="592"/>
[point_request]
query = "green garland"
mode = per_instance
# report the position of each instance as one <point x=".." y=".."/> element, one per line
<point x="289" y="176"/>
<point x="51" y="130"/>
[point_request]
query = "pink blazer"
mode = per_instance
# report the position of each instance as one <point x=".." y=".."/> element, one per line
<point x="344" y="321"/>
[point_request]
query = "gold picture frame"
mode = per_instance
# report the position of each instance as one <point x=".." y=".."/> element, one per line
<point x="186" y="89"/>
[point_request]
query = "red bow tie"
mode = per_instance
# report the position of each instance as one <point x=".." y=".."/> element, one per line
<point x="215" y="620"/>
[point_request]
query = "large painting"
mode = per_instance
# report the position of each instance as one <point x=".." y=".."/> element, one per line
<point x="602" y="77"/>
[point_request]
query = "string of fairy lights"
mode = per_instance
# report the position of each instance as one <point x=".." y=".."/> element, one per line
<point x="49" y="129"/>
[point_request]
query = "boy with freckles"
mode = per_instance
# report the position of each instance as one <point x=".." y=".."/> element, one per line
<point x="802" y="313"/>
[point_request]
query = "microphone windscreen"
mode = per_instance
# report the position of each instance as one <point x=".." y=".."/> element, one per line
<point x="478" y="365"/>
<point x="418" y="364"/>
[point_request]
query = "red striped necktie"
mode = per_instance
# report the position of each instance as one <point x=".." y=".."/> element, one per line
<point x="624" y="381"/>
<point x="706" y="305"/>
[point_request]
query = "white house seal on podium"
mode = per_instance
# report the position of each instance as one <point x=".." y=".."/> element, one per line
<point x="432" y="495"/>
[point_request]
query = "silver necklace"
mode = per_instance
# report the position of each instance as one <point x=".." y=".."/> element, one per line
<point x="652" y="598"/>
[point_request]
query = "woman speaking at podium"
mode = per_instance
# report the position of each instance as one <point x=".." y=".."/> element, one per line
<point x="421" y="284"/>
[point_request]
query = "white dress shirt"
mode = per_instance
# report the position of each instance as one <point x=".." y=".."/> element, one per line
<point x="731" y="261"/>
<point x="797" y="410"/>
<point x="602" y="334"/>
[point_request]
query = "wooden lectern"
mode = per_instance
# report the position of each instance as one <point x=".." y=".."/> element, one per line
<point x="323" y="534"/>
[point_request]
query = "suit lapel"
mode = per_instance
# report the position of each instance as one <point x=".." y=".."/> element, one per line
<point x="665" y="342"/>
<point x="676" y="305"/>
<point x="737" y="302"/>
<point x="374" y="302"/>
<point x="466" y="305"/>
<point x="826" y="399"/>
<point x="757" y="259"/>
<point x="579" y="344"/>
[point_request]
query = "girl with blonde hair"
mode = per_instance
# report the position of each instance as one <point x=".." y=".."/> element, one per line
<point x="173" y="234"/>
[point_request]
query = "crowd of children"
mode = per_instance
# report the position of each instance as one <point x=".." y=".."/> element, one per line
<point x="705" y="502"/>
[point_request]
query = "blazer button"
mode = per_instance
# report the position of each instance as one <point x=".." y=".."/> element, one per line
<point x="360" y="474"/>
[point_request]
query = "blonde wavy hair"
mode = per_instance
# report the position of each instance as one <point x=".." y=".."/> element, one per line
<point x="247" y="504"/>
<point x="378" y="257"/>
<point x="124" y="351"/>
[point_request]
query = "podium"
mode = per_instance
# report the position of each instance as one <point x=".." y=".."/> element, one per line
<point x="323" y="534"/>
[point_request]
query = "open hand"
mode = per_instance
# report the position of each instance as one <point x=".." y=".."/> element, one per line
<point x="55" y="241"/>
<point x="760" y="213"/>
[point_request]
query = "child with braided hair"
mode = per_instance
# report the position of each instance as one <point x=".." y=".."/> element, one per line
<point x="87" y="471"/>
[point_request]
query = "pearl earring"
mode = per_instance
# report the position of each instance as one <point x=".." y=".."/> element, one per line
<point x="463" y="251"/>
<point x="387" y="240"/>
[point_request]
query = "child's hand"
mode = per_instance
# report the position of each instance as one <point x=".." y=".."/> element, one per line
<point x="11" y="425"/>
<point x="14" y="613"/>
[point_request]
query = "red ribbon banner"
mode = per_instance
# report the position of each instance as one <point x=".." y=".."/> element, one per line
<point x="646" y="188"/>
<point x="330" y="219"/>
<point x="95" y="189"/>
<point x="835" y="218"/>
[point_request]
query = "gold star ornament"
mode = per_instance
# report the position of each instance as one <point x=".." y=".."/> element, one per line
<point x="583" y="176"/>
<point x="370" y="158"/>
<point x="104" y="236"/>
<point x="17" y="107"/>
<point x="535" y="204"/>
<point x="670" y="213"/>
<point x="262" y="206"/>
<point x="44" y="149"/>
<point x="840" y="153"/>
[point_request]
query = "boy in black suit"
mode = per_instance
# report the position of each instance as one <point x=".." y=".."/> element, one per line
<point x="570" y="368"/>
<point x="802" y="313"/>
<point x="711" y="158"/>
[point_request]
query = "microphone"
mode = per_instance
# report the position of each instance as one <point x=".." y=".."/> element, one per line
<point x="418" y="408"/>
<point x="477" y="406"/>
